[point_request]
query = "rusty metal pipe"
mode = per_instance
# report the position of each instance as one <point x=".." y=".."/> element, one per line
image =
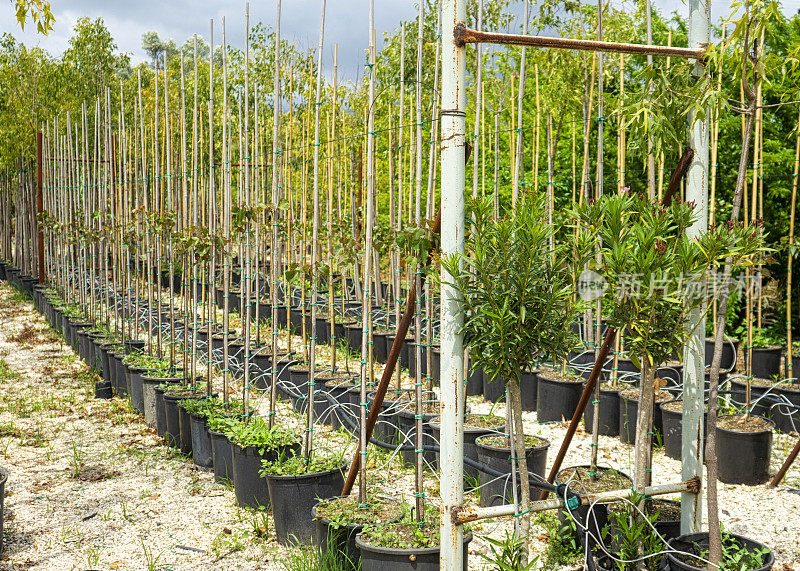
<point x="466" y="35"/>
<point x="474" y="513"/>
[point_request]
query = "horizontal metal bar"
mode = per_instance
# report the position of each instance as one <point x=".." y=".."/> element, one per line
<point x="464" y="35"/>
<point x="473" y="513"/>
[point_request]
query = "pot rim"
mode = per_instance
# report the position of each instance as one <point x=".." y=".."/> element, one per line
<point x="480" y="444"/>
<point x="543" y="375"/>
<point x="403" y="551"/>
<point x="326" y="521"/>
<point x="599" y="468"/>
<point x="699" y="535"/>
<point x="289" y="477"/>
<point x="756" y="432"/>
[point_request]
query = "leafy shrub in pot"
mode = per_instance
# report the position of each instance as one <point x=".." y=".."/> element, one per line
<point x="252" y="442"/>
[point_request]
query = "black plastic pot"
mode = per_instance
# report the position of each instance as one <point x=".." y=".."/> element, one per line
<point x="406" y="424"/>
<point x="386" y="427"/>
<point x="672" y="426"/>
<point x="161" y="412"/>
<point x="149" y="399"/>
<point x="353" y="332"/>
<point x="98" y="344"/>
<point x="758" y="405"/>
<point x="102" y="390"/>
<point x="495" y="491"/>
<point x="221" y="457"/>
<point x="251" y="489"/>
<point x="172" y="432"/>
<point x="697" y="543"/>
<point x="599" y="515"/>
<point x="132" y="345"/>
<point x="340" y="395"/>
<point x="436" y="362"/>
<point x="298" y="379"/>
<point x="134" y="382"/>
<point x="668" y="528"/>
<point x="557" y="399"/>
<point x="787" y="417"/>
<point x="293" y="498"/>
<point x="608" y="418"/>
<point x="122" y="376"/>
<point x="412" y="359"/>
<point x="379" y="350"/>
<point x="529" y="389"/>
<point x="185" y="427"/>
<point x="474" y="382"/>
<point x="743" y="457"/>
<point x="493" y="391"/>
<point x="106" y="368"/>
<point x="393" y="559"/>
<point x="628" y="411"/>
<point x="201" y="442"/>
<point x="341" y="538"/>
<point x="471" y="475"/>
<point x="766" y="361"/>
<point x="729" y="352"/>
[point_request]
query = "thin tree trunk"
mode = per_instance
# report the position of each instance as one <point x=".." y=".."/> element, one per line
<point x="644" y="427"/>
<point x="522" y="467"/>
<point x="714" y="531"/>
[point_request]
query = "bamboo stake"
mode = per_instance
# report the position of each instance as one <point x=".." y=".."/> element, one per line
<point x="246" y="277"/>
<point x="314" y="250"/>
<point x="518" y="169"/>
<point x="212" y="226"/>
<point x="790" y="374"/>
<point x="226" y="220"/>
<point x="273" y="262"/>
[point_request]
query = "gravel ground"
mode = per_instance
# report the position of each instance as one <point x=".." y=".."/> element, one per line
<point x="92" y="487"/>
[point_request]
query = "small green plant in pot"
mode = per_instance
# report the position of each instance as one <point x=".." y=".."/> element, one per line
<point x="199" y="410"/>
<point x="518" y="306"/>
<point x="338" y="520"/>
<point x="295" y="486"/>
<point x="406" y="543"/>
<point x="253" y="442"/>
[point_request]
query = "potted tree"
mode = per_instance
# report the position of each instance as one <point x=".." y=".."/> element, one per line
<point x="655" y="276"/>
<point x="518" y="306"/>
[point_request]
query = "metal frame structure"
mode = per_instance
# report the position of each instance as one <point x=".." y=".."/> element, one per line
<point x="455" y="36"/>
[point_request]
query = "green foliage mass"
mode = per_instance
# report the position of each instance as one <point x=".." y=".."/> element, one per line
<point x="518" y="302"/>
<point x="257" y="433"/>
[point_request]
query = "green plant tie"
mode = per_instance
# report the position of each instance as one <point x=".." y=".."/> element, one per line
<point x="520" y="514"/>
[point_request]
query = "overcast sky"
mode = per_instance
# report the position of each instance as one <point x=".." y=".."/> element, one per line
<point x="346" y="22"/>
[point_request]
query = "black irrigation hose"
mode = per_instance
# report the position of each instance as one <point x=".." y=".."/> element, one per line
<point x="351" y="425"/>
